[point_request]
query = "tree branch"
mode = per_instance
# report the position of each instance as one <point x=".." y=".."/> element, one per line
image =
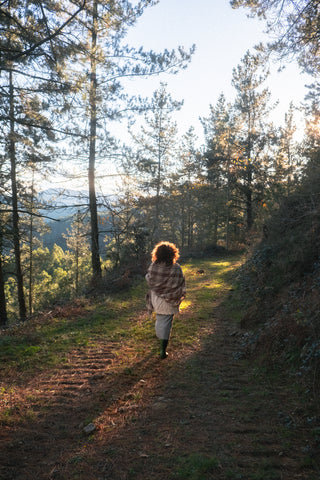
<point x="50" y="37"/>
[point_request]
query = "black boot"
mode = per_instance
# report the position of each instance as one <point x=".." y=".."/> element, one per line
<point x="163" y="353"/>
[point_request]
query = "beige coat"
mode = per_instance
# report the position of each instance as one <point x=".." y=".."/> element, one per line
<point x="161" y="306"/>
<point x="166" y="288"/>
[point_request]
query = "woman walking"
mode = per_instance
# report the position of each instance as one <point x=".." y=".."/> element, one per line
<point x="166" y="289"/>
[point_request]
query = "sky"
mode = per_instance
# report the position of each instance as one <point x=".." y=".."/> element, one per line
<point x="222" y="36"/>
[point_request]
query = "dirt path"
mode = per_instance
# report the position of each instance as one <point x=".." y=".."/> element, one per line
<point x="200" y="414"/>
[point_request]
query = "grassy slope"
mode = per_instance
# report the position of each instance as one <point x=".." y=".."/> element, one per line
<point x="46" y="342"/>
<point x="97" y="361"/>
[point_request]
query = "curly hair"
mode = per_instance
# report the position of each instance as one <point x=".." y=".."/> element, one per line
<point x="165" y="252"/>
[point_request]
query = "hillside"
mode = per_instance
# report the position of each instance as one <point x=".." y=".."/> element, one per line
<point x="85" y="396"/>
<point x="280" y="288"/>
<point x="62" y="206"/>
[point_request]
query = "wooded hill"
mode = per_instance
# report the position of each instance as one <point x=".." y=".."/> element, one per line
<point x="59" y="91"/>
<point x="90" y="373"/>
<point x="252" y="187"/>
<point x="280" y="286"/>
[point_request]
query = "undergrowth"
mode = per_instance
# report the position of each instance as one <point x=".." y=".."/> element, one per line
<point x="280" y="289"/>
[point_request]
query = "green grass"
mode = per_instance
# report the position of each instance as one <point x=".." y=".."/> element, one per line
<point x="121" y="321"/>
<point x="119" y="318"/>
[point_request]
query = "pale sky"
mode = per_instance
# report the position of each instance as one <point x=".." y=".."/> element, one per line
<point x="222" y="37"/>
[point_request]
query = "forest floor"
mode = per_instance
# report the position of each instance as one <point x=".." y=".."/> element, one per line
<point x="111" y="409"/>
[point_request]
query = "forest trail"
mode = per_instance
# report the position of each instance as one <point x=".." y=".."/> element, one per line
<point x="203" y="413"/>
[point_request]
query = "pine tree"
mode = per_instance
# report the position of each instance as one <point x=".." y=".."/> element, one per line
<point x="286" y="157"/>
<point x="294" y="27"/>
<point x="155" y="150"/>
<point x="101" y="97"/>
<point x="36" y="29"/>
<point x="4" y="233"/>
<point x="187" y="177"/>
<point x="3" y="228"/>
<point x="14" y="191"/>
<point x="28" y="60"/>
<point x="33" y="227"/>
<point x="221" y="155"/>
<point x="253" y="106"/>
<point x="3" y="309"/>
<point x="78" y="243"/>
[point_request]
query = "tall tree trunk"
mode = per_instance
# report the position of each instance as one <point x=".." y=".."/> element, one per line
<point x="95" y="253"/>
<point x="215" y="227"/>
<point x="31" y="248"/>
<point x="155" y="236"/>
<point x="249" y="177"/>
<point x="77" y="254"/>
<point x="3" y="304"/>
<point x="189" y="217"/>
<point x="228" y="192"/>
<point x="156" y="227"/>
<point x="249" y="199"/>
<point x="183" y="219"/>
<point x="228" y="215"/>
<point x="3" y="307"/>
<point x="15" y="214"/>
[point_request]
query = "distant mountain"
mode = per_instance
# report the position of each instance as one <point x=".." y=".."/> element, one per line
<point x="55" y="235"/>
<point x="59" y="208"/>
<point x="62" y="203"/>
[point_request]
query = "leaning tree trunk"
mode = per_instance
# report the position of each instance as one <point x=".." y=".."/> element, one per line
<point x="15" y="214"/>
<point x="95" y="254"/>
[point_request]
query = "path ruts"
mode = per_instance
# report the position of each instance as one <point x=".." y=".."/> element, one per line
<point x="155" y="418"/>
<point x="213" y="406"/>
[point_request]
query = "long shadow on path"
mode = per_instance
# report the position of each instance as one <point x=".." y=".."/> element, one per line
<point x="214" y="418"/>
<point x="200" y="414"/>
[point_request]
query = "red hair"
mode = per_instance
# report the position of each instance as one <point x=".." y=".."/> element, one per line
<point x="165" y="252"/>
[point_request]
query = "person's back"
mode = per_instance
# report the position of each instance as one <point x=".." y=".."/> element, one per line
<point x="167" y="289"/>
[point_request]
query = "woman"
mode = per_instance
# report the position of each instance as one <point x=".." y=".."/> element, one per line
<point x="166" y="289"/>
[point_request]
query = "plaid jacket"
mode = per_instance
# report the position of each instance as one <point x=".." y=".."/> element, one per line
<point x="167" y="282"/>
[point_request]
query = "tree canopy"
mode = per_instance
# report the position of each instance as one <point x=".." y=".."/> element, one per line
<point x="64" y="70"/>
<point x="293" y="27"/>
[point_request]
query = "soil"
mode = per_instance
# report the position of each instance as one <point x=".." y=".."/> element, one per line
<point x="205" y="412"/>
